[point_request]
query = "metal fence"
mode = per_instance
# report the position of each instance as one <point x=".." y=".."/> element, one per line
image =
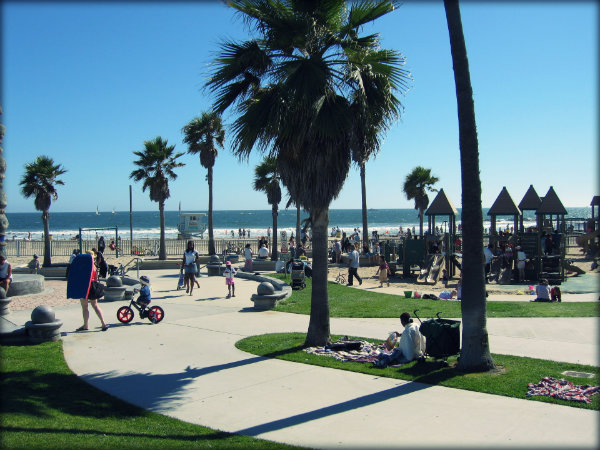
<point x="141" y="247"/>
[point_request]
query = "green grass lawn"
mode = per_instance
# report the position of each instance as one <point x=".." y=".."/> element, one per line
<point x="45" y="406"/>
<point x="349" y="302"/>
<point x="509" y="380"/>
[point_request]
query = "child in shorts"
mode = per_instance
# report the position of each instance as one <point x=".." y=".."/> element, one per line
<point x="229" y="274"/>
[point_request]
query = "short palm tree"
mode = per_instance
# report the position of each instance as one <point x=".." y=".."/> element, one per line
<point x="416" y="185"/>
<point x="266" y="179"/>
<point x="291" y="89"/>
<point x="475" y="352"/>
<point x="375" y="108"/>
<point x="203" y="135"/>
<point x="40" y="181"/>
<point x="156" y="167"/>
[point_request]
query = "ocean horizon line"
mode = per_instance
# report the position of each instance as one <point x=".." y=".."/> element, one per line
<point x="219" y="210"/>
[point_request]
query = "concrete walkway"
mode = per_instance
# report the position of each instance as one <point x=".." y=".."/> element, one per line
<point x="188" y="367"/>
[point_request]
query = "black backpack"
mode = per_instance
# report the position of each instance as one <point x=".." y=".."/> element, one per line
<point x="96" y="291"/>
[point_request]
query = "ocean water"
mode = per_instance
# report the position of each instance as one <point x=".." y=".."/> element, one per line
<point x="146" y="224"/>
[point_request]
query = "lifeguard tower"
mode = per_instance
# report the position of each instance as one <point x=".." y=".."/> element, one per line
<point x="191" y="225"/>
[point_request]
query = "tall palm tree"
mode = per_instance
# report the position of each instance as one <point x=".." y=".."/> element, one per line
<point x="156" y="167"/>
<point x="39" y="181"/>
<point x="266" y="179"/>
<point x="291" y="89"/>
<point x="475" y="351"/>
<point x="375" y="108"/>
<point x="416" y="185"/>
<point x="203" y="135"/>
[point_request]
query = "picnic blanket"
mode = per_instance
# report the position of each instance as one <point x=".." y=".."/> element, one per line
<point x="368" y="352"/>
<point x="562" y="389"/>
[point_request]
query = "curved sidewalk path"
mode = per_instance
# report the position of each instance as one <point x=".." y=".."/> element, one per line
<point x="188" y="367"/>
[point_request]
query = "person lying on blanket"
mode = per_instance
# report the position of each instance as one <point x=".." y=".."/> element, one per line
<point x="410" y="347"/>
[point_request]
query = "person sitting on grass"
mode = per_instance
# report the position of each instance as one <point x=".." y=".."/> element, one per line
<point x="542" y="291"/>
<point x="410" y="347"/>
<point x="555" y="294"/>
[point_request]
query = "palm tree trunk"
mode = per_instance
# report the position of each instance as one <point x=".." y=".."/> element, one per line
<point x="318" y="326"/>
<point x="297" y="222"/>
<point x="211" y="236"/>
<point x="162" y="251"/>
<point x="47" y="251"/>
<point x="475" y="352"/>
<point x="363" y="191"/>
<point x="274" y="251"/>
<point x="421" y="214"/>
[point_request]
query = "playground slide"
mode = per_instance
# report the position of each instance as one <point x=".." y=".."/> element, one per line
<point x="436" y="268"/>
<point x="454" y="260"/>
<point x="424" y="274"/>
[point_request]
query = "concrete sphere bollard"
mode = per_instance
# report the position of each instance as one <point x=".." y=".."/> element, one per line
<point x="265" y="288"/>
<point x="43" y="314"/>
<point x="114" y="289"/>
<point x="43" y="326"/>
<point x="114" y="281"/>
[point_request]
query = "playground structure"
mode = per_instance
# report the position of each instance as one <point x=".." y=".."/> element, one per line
<point x="440" y="247"/>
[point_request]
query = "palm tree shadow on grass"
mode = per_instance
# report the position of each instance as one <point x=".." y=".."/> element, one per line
<point x="431" y="372"/>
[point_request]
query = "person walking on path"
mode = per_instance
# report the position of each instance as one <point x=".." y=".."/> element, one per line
<point x="94" y="302"/>
<point x="229" y="274"/>
<point x="353" y="266"/>
<point x="188" y="265"/>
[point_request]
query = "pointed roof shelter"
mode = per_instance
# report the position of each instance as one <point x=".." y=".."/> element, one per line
<point x="551" y="205"/>
<point x="442" y="206"/>
<point x="503" y="206"/>
<point x="531" y="201"/>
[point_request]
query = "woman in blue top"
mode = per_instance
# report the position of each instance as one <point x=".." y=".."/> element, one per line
<point x="190" y="258"/>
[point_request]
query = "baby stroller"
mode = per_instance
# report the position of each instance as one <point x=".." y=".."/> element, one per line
<point x="442" y="337"/>
<point x="297" y="274"/>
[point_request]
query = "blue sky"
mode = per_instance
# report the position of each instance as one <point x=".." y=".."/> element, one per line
<point x="88" y="83"/>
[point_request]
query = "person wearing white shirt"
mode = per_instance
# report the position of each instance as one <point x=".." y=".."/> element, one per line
<point x="521" y="257"/>
<point x="542" y="291"/>
<point x="263" y="252"/>
<point x="248" y="257"/>
<point x="412" y="344"/>
<point x="489" y="256"/>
